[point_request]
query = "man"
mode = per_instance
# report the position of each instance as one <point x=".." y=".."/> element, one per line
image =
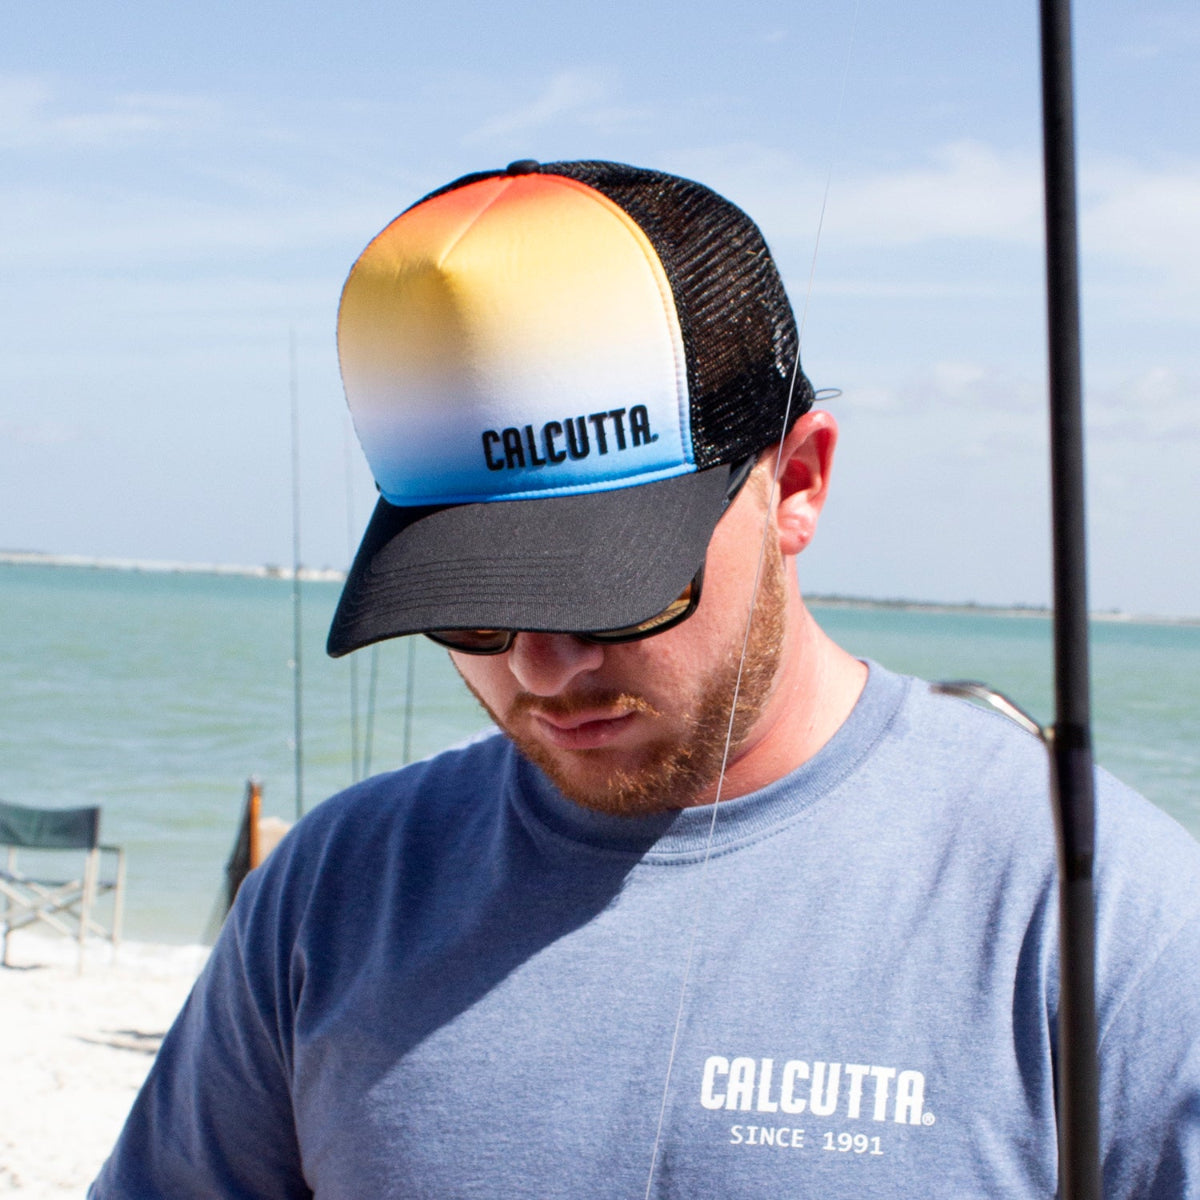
<point x="723" y="911"/>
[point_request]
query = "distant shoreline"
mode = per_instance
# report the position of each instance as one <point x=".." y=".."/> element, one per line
<point x="333" y="575"/>
<point x="965" y="608"/>
<point x="35" y="558"/>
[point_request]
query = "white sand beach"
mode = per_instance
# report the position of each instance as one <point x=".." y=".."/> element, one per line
<point x="74" y="1049"/>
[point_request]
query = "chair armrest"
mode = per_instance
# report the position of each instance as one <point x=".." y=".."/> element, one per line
<point x="117" y="853"/>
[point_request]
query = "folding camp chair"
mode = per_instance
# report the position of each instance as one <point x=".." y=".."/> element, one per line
<point x="65" y="904"/>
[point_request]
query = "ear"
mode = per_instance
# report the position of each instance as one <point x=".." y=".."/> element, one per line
<point x="803" y="483"/>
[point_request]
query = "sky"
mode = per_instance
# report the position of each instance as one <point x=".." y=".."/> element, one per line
<point x="185" y="187"/>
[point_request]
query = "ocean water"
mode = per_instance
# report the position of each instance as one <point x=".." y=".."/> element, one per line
<point x="158" y="695"/>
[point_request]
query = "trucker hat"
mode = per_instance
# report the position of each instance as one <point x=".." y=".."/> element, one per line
<point x="553" y="370"/>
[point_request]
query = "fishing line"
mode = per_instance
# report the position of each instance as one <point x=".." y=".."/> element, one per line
<point x="698" y="899"/>
<point x="297" y="639"/>
<point x="356" y="773"/>
<point x="372" y="690"/>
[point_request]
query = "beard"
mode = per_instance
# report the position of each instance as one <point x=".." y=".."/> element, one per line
<point x="673" y="770"/>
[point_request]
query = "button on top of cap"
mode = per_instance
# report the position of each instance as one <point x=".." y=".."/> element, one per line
<point x="523" y="166"/>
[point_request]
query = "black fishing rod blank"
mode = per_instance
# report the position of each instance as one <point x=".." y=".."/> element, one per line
<point x="1071" y="743"/>
<point x="1069" y="740"/>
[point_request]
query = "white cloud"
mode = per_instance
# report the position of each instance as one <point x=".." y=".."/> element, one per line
<point x="135" y="231"/>
<point x="919" y="289"/>
<point x="1147" y="216"/>
<point x="1139" y="230"/>
<point x="965" y="190"/>
<point x="992" y="396"/>
<point x="22" y="100"/>
<point x="39" y="432"/>
<point x="35" y="113"/>
<point x="1163" y="34"/>
<point x="1157" y="405"/>
<point x="567" y="93"/>
<point x="1132" y="212"/>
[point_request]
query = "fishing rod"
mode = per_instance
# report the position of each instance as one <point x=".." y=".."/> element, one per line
<point x="297" y="631"/>
<point x="1069" y="740"/>
<point x="356" y="771"/>
<point x="1071" y="746"/>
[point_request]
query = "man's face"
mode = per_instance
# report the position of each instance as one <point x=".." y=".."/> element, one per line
<point x="642" y="727"/>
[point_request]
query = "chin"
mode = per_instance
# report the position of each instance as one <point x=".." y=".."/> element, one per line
<point x="662" y="778"/>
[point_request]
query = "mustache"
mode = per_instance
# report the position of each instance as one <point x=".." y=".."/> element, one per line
<point x="572" y="705"/>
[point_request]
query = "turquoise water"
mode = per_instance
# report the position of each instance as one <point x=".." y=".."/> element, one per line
<point x="158" y="695"/>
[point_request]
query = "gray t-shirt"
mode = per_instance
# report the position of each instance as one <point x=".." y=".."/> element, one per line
<point x="449" y="981"/>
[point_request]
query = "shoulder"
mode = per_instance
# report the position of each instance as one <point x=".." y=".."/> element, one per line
<point x="443" y="785"/>
<point x="964" y="766"/>
<point x="1138" y="844"/>
<point x="981" y="778"/>
<point x="994" y="781"/>
<point x="985" y="753"/>
<point x="389" y="826"/>
<point x="959" y="736"/>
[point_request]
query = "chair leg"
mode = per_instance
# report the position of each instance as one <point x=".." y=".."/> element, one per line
<point x="85" y="906"/>
<point x="8" y="904"/>
<point x="118" y="903"/>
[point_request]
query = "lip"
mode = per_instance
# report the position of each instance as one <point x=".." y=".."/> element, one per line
<point x="583" y="730"/>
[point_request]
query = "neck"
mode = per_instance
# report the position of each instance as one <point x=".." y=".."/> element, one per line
<point x="816" y="687"/>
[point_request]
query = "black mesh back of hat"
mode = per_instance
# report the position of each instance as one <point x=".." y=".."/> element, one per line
<point x="739" y="333"/>
<point x="738" y="330"/>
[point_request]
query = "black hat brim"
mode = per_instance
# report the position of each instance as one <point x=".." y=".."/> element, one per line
<point x="602" y="560"/>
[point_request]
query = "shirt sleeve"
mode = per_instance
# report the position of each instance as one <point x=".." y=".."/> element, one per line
<point x="215" y="1116"/>
<point x="1150" y="1078"/>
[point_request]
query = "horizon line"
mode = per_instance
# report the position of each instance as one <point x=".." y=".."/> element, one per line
<point x="336" y="575"/>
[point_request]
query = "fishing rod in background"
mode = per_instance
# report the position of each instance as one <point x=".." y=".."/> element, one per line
<point x="297" y="621"/>
<point x="1069" y="739"/>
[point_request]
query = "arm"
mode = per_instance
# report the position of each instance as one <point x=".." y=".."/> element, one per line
<point x="214" y="1117"/>
<point x="1150" y="1078"/>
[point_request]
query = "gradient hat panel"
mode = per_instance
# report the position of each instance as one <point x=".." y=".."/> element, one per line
<point x="514" y="337"/>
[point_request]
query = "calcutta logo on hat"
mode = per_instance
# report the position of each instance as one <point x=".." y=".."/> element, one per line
<point x="552" y="370"/>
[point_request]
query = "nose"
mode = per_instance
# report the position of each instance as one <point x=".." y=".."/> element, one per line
<point x="545" y="663"/>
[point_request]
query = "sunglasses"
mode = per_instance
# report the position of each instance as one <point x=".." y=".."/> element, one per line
<point x="499" y="641"/>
